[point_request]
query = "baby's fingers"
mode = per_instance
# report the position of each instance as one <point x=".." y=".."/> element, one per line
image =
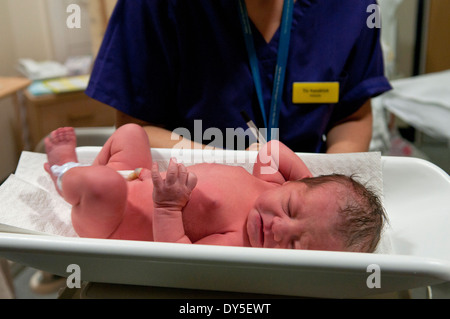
<point x="186" y="178"/>
<point x="158" y="182"/>
<point x="182" y="174"/>
<point x="191" y="181"/>
<point x="172" y="172"/>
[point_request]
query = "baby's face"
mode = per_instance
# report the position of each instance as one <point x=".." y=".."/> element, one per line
<point x="296" y="216"/>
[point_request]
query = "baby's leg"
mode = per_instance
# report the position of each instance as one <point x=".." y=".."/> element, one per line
<point x="127" y="149"/>
<point x="97" y="193"/>
<point x="98" y="196"/>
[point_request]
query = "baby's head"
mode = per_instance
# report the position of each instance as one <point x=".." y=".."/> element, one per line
<point x="361" y="214"/>
<point x="332" y="212"/>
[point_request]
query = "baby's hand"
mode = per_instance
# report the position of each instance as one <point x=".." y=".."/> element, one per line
<point x="174" y="192"/>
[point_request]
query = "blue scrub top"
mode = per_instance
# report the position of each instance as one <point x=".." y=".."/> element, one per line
<point x="170" y="62"/>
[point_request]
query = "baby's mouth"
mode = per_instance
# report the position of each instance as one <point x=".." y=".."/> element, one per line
<point x="261" y="232"/>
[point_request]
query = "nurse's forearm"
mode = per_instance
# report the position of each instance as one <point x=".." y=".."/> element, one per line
<point x="162" y="138"/>
<point x="353" y="134"/>
<point x="158" y="137"/>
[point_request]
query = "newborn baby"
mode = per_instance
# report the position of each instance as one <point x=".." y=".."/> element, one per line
<point x="280" y="205"/>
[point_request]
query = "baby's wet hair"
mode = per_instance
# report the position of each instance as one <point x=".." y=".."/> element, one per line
<point x="362" y="216"/>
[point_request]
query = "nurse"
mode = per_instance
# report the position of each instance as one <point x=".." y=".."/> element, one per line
<point x="303" y="70"/>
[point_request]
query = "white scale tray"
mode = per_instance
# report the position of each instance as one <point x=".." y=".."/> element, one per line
<point x="417" y="202"/>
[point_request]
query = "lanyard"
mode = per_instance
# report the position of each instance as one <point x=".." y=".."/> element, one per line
<point x="280" y="71"/>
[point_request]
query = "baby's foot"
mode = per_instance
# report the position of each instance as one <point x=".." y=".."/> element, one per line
<point x="60" y="147"/>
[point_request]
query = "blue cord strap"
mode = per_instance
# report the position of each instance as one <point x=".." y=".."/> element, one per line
<point x="280" y="71"/>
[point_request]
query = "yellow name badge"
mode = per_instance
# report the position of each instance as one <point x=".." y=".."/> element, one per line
<point x="315" y="92"/>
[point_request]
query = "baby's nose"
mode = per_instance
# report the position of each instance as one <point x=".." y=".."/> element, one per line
<point x="279" y="229"/>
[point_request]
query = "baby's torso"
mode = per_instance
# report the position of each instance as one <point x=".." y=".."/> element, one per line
<point x="219" y="203"/>
<point x="221" y="200"/>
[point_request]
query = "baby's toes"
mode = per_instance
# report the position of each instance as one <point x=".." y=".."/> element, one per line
<point x="62" y="135"/>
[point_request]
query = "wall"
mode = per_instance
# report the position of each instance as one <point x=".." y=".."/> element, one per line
<point x="406" y="39"/>
<point x="30" y="29"/>
<point x="6" y="110"/>
<point x="99" y="11"/>
<point x="7" y="52"/>
<point x="23" y="32"/>
<point x="68" y="42"/>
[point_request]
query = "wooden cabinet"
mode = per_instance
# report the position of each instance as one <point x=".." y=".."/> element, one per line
<point x="48" y="112"/>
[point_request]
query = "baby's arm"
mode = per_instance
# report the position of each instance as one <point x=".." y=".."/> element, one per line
<point x="277" y="163"/>
<point x="169" y="198"/>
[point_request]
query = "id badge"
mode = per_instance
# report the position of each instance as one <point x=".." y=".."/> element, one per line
<point x="315" y="92"/>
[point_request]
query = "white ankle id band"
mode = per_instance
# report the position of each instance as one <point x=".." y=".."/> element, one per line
<point x="59" y="170"/>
